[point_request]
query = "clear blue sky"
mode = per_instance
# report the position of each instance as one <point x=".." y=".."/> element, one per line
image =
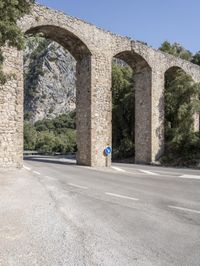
<point x="152" y="21"/>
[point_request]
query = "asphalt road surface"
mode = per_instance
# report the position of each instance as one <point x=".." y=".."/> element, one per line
<point x="56" y="213"/>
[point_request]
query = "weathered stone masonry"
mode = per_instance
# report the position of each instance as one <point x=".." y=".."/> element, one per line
<point x="94" y="49"/>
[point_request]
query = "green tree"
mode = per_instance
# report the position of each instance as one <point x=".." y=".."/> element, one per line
<point x="51" y="136"/>
<point x="65" y="121"/>
<point x="196" y="58"/>
<point x="66" y="142"/>
<point x="30" y="137"/>
<point x="181" y="103"/>
<point x="123" y="99"/>
<point x="177" y="50"/>
<point x="180" y="96"/>
<point x="10" y="12"/>
<point x="46" y="142"/>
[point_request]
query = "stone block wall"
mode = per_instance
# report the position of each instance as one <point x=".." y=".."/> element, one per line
<point x="83" y="110"/>
<point x="11" y="111"/>
<point x="101" y="109"/>
<point x="143" y="83"/>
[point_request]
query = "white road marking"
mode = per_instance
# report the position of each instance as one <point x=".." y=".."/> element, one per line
<point x="147" y="172"/>
<point x="27" y="168"/>
<point x="118" y="169"/>
<point x="77" y="186"/>
<point x="120" y="196"/>
<point x="184" y="209"/>
<point x="37" y="173"/>
<point x="190" y="176"/>
<point x="50" y="177"/>
<point x="168" y="173"/>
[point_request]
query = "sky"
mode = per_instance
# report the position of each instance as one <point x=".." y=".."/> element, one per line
<point x="151" y="21"/>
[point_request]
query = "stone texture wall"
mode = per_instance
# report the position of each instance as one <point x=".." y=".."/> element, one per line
<point x="83" y="110"/>
<point x="101" y="108"/>
<point x="157" y="114"/>
<point x="143" y="82"/>
<point x="94" y="49"/>
<point x="11" y="111"/>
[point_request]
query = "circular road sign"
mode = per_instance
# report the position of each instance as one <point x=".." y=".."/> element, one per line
<point x="108" y="151"/>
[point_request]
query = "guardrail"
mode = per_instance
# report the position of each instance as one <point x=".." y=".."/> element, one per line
<point x="30" y="152"/>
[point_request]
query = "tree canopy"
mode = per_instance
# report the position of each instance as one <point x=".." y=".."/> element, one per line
<point x="51" y="136"/>
<point x="123" y="97"/>
<point x="10" y="12"/>
<point x="182" y="96"/>
<point x="176" y="49"/>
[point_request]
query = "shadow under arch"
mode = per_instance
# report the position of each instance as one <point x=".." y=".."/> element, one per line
<point x="171" y="74"/>
<point x="133" y="59"/>
<point x="173" y="70"/>
<point x="67" y="39"/>
<point x="82" y="55"/>
<point x="142" y="87"/>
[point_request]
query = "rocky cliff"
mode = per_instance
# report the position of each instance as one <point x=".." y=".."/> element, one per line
<point x="49" y="79"/>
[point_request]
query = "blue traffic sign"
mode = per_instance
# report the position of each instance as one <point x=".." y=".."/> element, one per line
<point x="107" y="151"/>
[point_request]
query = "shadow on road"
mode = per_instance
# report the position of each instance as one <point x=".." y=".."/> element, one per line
<point x="60" y="159"/>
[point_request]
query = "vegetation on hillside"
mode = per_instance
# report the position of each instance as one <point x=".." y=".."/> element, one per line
<point x="51" y="136"/>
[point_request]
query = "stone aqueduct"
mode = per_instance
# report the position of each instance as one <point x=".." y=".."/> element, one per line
<point x="94" y="49"/>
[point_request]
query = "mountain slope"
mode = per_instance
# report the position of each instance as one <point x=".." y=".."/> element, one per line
<point x="49" y="80"/>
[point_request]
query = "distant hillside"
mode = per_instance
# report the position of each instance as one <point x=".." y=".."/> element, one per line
<point x="49" y="80"/>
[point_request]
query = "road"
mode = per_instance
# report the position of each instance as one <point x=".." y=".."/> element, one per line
<point x="124" y="215"/>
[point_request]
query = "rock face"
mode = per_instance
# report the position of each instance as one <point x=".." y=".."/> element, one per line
<point x="49" y="83"/>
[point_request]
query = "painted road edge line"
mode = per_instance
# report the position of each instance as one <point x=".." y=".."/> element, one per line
<point x="148" y="172"/>
<point x="37" y="173"/>
<point x="190" y="176"/>
<point x="27" y="168"/>
<point x="118" y="169"/>
<point x="77" y="186"/>
<point x="184" y="209"/>
<point x="50" y="177"/>
<point x="120" y="196"/>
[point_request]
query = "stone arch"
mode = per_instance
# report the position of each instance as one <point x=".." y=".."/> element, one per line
<point x="174" y="68"/>
<point x="67" y="39"/>
<point x="82" y="55"/>
<point x="59" y="27"/>
<point x="143" y="86"/>
<point x="133" y="59"/>
<point x="189" y="68"/>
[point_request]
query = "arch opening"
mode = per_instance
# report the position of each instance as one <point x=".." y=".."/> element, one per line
<point x="182" y="143"/>
<point x="131" y="85"/>
<point x="65" y="62"/>
<point x="64" y="37"/>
